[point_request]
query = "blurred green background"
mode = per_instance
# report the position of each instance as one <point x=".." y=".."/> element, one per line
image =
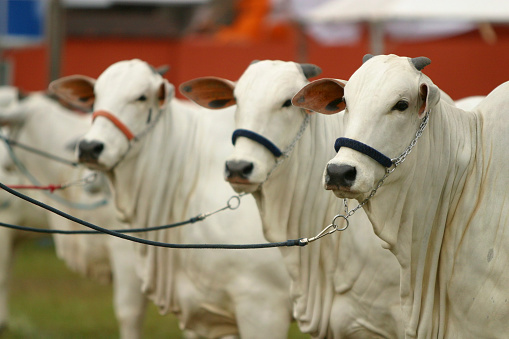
<point x="51" y="302"/>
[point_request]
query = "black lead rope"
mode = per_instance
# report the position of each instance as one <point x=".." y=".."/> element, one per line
<point x="288" y="243"/>
<point x="130" y="230"/>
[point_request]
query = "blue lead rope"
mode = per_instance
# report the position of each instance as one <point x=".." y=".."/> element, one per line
<point x="288" y="243"/>
<point x="364" y="149"/>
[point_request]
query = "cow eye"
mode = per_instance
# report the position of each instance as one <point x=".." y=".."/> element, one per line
<point x="287" y="103"/>
<point x="400" y="106"/>
<point x="142" y="98"/>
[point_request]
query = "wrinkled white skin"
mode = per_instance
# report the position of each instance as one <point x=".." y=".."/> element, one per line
<point x="344" y="285"/>
<point x="444" y="210"/>
<point x="172" y="173"/>
<point x="41" y="123"/>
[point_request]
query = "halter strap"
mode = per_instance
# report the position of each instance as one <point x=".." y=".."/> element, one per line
<point x="119" y="124"/>
<point x="257" y="138"/>
<point x="364" y="149"/>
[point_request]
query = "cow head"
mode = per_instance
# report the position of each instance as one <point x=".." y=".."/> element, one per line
<point x="385" y="101"/>
<point x="263" y="97"/>
<point x="127" y="97"/>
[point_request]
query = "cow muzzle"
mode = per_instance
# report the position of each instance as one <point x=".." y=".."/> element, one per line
<point x="238" y="171"/>
<point x="340" y="176"/>
<point x="90" y="151"/>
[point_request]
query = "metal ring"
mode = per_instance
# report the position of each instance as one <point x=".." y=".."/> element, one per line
<point x="233" y="206"/>
<point x="336" y="226"/>
<point x="92" y="177"/>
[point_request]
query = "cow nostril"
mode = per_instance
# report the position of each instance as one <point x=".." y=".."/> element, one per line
<point x="238" y="168"/>
<point x="90" y="150"/>
<point x="341" y="175"/>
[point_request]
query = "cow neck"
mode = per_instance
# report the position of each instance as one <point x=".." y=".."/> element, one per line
<point x="293" y="203"/>
<point x="410" y="211"/>
<point x="141" y="192"/>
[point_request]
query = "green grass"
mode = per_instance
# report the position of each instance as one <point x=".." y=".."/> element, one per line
<point x="48" y="301"/>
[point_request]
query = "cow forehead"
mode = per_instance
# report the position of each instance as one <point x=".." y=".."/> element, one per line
<point x="382" y="79"/>
<point x="269" y="79"/>
<point x="130" y="77"/>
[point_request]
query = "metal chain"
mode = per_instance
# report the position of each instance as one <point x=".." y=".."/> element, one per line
<point x="286" y="153"/>
<point x="333" y="227"/>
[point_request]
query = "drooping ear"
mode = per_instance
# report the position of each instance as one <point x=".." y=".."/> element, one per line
<point x="76" y="90"/>
<point x="310" y="70"/>
<point x="165" y="93"/>
<point x="209" y="92"/>
<point x="429" y="93"/>
<point x="324" y="96"/>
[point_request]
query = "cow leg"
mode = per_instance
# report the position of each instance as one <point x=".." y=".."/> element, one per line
<point x="6" y="244"/>
<point x="129" y="302"/>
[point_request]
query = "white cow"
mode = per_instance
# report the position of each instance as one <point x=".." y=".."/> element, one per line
<point x="40" y="122"/>
<point x="18" y="212"/>
<point x="443" y="211"/>
<point x="165" y="158"/>
<point x="344" y="285"/>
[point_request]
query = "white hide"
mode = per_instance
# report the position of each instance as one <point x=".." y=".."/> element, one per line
<point x="443" y="211"/>
<point x="171" y="174"/>
<point x="41" y="123"/>
<point x="469" y="103"/>
<point x="345" y="285"/>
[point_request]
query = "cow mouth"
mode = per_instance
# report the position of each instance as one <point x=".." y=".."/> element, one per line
<point x="241" y="185"/>
<point x="92" y="163"/>
<point x="342" y="192"/>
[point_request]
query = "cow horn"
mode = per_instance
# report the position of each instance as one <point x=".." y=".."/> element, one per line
<point x="310" y="70"/>
<point x="420" y="62"/>
<point x="367" y="57"/>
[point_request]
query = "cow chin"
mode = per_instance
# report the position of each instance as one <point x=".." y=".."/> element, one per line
<point x="243" y="186"/>
<point x="94" y="165"/>
<point x="343" y="192"/>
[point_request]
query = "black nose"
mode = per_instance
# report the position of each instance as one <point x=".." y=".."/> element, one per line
<point x="340" y="175"/>
<point x="238" y="169"/>
<point x="89" y="151"/>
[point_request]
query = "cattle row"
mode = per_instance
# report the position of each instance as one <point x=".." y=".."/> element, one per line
<point x="417" y="181"/>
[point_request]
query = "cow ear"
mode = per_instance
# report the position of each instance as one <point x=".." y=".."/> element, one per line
<point x="76" y="90"/>
<point x="429" y="95"/>
<point x="324" y="96"/>
<point x="209" y="92"/>
<point x="165" y="93"/>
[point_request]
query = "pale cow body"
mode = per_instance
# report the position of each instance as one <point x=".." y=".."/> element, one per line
<point x="345" y="285"/>
<point x="169" y="174"/>
<point x="39" y="122"/>
<point x="444" y="210"/>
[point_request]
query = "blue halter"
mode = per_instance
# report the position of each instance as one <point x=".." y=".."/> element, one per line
<point x="257" y="138"/>
<point x="364" y="149"/>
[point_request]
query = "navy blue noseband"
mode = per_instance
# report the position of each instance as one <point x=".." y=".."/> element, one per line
<point x="259" y="139"/>
<point x="364" y="149"/>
